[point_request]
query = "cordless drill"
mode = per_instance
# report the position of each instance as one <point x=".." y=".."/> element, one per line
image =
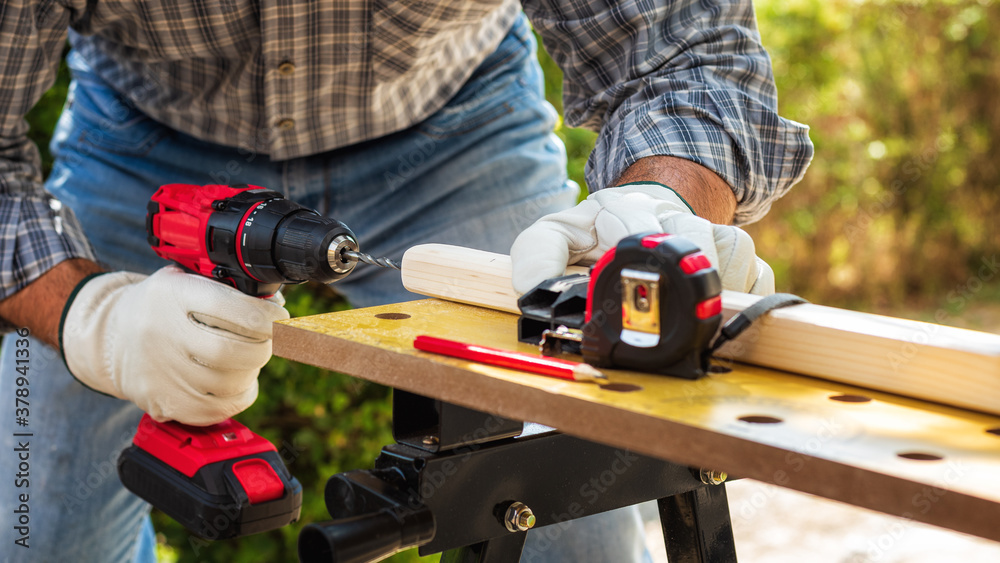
<point x="250" y="237"/>
<point x="224" y="481"/>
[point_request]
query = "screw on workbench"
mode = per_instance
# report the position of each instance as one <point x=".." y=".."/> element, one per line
<point x="518" y="518"/>
<point x="712" y="476"/>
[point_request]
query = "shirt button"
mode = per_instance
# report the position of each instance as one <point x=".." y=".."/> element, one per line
<point x="286" y="124"/>
<point x="286" y="68"/>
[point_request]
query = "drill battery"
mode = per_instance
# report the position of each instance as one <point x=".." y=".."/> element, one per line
<point x="219" y="482"/>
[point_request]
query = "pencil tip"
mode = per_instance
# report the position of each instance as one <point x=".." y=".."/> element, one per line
<point x="588" y="372"/>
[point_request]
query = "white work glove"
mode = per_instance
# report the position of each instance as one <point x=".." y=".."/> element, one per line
<point x="180" y="346"/>
<point x="583" y="234"/>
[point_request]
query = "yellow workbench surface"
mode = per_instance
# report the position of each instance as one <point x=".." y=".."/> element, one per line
<point x="904" y="457"/>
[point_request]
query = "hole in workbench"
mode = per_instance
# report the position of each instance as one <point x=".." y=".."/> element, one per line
<point x="621" y="387"/>
<point x="994" y="431"/>
<point x="760" y="419"/>
<point x="392" y="316"/>
<point x="847" y="398"/>
<point x="920" y="456"/>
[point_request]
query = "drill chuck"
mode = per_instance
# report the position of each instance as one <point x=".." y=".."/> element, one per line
<point x="275" y="241"/>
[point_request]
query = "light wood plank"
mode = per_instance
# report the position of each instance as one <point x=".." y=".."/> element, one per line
<point x="923" y="360"/>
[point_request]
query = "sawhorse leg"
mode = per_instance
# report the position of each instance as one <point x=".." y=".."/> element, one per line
<point x="696" y="526"/>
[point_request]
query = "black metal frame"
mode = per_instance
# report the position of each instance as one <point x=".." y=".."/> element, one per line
<point x="449" y="482"/>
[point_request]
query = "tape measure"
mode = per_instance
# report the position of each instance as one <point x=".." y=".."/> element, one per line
<point x="653" y="304"/>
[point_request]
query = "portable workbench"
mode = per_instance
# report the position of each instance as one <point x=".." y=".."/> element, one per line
<point x="900" y="456"/>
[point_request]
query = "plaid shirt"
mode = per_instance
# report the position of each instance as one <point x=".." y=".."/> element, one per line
<point x="297" y="77"/>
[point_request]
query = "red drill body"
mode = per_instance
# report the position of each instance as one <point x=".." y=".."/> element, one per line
<point x="224" y="481"/>
<point x="248" y="236"/>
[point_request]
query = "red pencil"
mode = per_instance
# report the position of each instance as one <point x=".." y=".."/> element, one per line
<point x="552" y="367"/>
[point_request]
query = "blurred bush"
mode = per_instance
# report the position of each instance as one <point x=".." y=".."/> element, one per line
<point x="901" y="203"/>
<point x="899" y="206"/>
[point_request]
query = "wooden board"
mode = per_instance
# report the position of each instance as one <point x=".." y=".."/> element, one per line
<point x="923" y="360"/>
<point x="901" y="456"/>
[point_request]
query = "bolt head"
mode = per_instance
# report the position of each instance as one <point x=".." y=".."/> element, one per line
<point x="519" y="518"/>
<point x="713" y="476"/>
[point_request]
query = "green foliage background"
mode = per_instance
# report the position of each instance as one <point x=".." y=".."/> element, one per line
<point x="898" y="209"/>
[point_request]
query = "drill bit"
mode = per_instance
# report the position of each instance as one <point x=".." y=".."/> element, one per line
<point x="369" y="259"/>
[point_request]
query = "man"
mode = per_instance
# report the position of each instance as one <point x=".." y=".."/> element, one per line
<point x="410" y="121"/>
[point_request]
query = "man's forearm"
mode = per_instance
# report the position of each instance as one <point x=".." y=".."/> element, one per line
<point x="706" y="192"/>
<point x="40" y="304"/>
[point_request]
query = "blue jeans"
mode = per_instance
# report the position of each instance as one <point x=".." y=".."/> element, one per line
<point x="475" y="174"/>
